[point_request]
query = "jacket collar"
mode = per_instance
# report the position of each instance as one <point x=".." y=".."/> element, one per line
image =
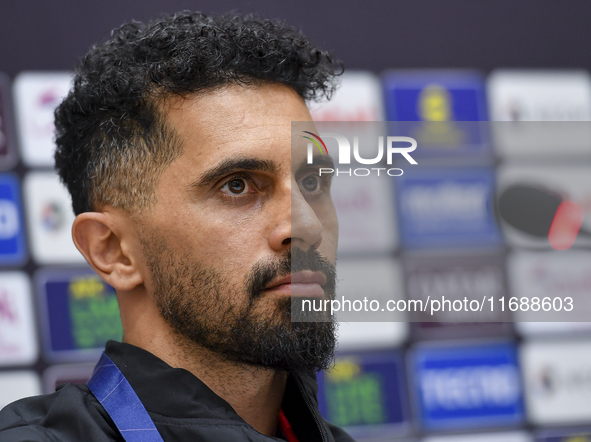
<point x="176" y="392"/>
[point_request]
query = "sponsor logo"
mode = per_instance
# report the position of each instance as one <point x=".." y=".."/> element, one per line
<point x="547" y="275"/>
<point x="457" y="278"/>
<point x="447" y="207"/>
<point x="549" y="281"/>
<point x="548" y="381"/>
<point x="18" y="343"/>
<point x="448" y="200"/>
<point x="457" y="283"/>
<point x="91" y="309"/>
<point x="558" y="381"/>
<point x="463" y="387"/>
<point x="9" y="219"/>
<point x="468" y="388"/>
<point x="365" y="390"/>
<point x="50" y="219"/>
<point x="365" y="210"/>
<point x="540" y="95"/>
<point x="37" y="94"/>
<point x="7" y="310"/>
<point x="12" y="239"/>
<point x="435" y="96"/>
<point x="441" y="110"/>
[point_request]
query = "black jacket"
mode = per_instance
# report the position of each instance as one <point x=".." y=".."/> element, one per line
<point x="182" y="407"/>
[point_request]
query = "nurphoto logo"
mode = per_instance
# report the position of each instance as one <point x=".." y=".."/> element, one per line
<point x="394" y="145"/>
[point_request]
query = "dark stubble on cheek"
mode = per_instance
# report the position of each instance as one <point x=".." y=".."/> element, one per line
<point x="204" y="308"/>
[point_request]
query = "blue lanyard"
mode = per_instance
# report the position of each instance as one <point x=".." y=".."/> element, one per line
<point x="117" y="397"/>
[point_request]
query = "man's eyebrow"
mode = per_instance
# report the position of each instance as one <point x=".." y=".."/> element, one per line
<point x="318" y="160"/>
<point x="230" y="165"/>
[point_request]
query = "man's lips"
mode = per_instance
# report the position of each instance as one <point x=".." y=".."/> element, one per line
<point x="305" y="283"/>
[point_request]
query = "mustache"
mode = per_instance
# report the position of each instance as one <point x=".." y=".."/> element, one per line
<point x="293" y="261"/>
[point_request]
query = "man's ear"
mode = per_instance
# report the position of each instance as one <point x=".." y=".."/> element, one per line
<point x="108" y="248"/>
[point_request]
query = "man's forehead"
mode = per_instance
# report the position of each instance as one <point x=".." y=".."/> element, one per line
<point x="223" y="112"/>
<point x="236" y="121"/>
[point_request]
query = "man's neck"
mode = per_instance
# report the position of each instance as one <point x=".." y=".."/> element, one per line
<point x="254" y="393"/>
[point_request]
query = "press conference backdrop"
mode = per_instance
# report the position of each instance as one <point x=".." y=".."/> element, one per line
<point x="432" y="381"/>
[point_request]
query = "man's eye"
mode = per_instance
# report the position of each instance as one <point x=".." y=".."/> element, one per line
<point x="236" y="186"/>
<point x="311" y="183"/>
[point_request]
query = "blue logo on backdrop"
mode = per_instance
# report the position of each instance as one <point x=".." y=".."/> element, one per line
<point x="434" y="107"/>
<point x="13" y="249"/>
<point x="467" y="387"/>
<point x="447" y="207"/>
<point x="365" y="389"/>
<point x="435" y="96"/>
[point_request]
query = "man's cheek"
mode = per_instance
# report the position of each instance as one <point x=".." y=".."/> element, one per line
<point x="327" y="216"/>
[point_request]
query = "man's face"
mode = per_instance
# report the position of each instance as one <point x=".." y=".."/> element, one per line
<point x="234" y="218"/>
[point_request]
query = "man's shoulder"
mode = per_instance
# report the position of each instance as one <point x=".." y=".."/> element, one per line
<point x="70" y="414"/>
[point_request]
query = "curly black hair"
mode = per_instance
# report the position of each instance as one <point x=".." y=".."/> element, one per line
<point x="113" y="140"/>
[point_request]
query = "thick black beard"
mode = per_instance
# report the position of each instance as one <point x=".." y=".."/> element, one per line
<point x="196" y="302"/>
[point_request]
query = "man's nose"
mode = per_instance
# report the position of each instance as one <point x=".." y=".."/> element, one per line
<point x="298" y="225"/>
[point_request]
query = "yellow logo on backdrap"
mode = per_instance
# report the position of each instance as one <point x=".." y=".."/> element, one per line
<point x="437" y="128"/>
<point x="355" y="397"/>
<point x="344" y="370"/>
<point x="435" y="104"/>
<point x="86" y="287"/>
